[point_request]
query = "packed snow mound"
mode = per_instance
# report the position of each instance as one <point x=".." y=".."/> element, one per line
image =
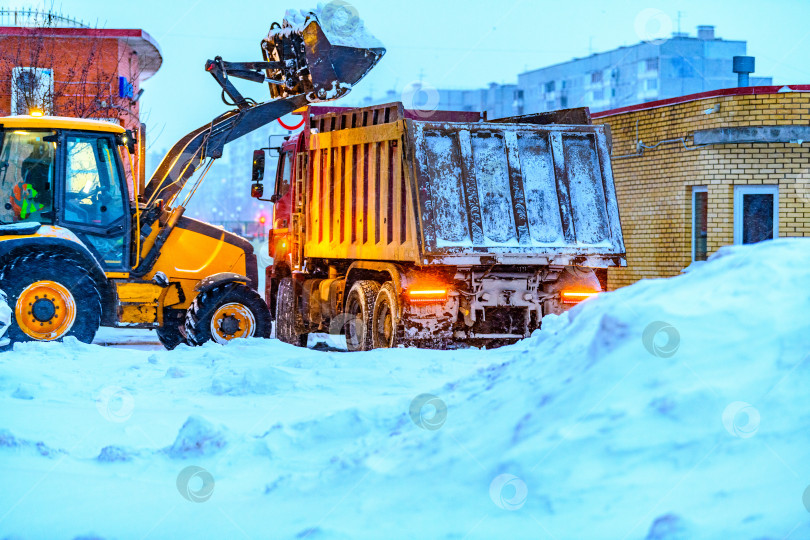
<point x="667" y="410"/>
<point x="5" y="318"/>
<point x="339" y="20"/>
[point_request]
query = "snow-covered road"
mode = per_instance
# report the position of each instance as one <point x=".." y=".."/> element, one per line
<point x="668" y="410"/>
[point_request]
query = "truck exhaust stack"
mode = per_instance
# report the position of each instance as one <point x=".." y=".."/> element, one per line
<point x="322" y="58"/>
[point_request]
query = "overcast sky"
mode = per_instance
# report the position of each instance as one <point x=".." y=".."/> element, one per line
<point x="449" y="43"/>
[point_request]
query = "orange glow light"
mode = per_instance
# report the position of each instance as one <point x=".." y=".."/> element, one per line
<point x="36" y="112"/>
<point x="427" y="295"/>
<point x="574" y="297"/>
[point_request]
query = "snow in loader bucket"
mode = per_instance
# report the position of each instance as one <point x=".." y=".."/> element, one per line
<point x="325" y="52"/>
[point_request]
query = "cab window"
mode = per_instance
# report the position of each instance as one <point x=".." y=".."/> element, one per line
<point x="283" y="181"/>
<point x="26" y="176"/>
<point x="92" y="184"/>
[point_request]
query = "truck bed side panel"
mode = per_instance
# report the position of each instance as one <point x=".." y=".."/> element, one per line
<point x="360" y="201"/>
<point x="516" y="193"/>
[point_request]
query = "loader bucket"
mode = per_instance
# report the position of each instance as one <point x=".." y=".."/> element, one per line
<point x="321" y="62"/>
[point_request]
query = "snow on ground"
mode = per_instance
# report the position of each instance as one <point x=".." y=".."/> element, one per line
<point x="669" y="410"/>
<point x="5" y="318"/>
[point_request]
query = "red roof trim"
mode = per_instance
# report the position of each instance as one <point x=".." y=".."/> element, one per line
<point x="745" y="91"/>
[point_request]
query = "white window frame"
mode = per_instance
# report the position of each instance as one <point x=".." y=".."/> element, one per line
<point x="44" y="91"/>
<point x="739" y="191"/>
<point x="696" y="189"/>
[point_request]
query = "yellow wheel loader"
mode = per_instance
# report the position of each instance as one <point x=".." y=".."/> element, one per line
<point x="78" y="250"/>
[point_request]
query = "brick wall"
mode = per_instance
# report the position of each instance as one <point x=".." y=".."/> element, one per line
<point x="106" y="58"/>
<point x="654" y="189"/>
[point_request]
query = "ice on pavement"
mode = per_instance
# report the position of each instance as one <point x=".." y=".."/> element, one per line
<point x="667" y="410"/>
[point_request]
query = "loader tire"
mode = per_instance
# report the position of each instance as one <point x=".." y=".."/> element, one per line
<point x="227" y="312"/>
<point x="52" y="297"/>
<point x="385" y="322"/>
<point x="169" y="334"/>
<point x="286" y="314"/>
<point x="358" y="315"/>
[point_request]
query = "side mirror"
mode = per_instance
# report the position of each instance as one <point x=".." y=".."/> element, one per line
<point x="257" y="191"/>
<point x="258" y="166"/>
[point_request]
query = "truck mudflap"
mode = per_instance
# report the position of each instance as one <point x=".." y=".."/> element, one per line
<point x="516" y="194"/>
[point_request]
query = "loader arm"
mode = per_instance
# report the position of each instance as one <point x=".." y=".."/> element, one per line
<point x="301" y="65"/>
<point x="208" y="141"/>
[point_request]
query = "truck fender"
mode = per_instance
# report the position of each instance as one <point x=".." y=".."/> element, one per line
<point x="216" y="280"/>
<point x="376" y="270"/>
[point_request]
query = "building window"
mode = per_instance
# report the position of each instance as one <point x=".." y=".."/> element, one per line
<point x="549" y="87"/>
<point x="756" y="213"/>
<point x="563" y="102"/>
<point x="31" y="88"/>
<point x="652" y="64"/>
<point x="551" y="105"/>
<point x="596" y="77"/>
<point x="700" y="223"/>
<point x="651" y="84"/>
<point x="598" y="95"/>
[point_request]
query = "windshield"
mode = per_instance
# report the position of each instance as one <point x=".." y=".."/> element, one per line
<point x="26" y="177"/>
<point x="92" y="187"/>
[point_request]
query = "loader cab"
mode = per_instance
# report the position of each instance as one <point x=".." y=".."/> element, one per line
<point x="67" y="172"/>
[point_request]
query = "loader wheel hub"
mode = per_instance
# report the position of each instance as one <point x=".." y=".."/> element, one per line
<point x="45" y="310"/>
<point x="232" y="321"/>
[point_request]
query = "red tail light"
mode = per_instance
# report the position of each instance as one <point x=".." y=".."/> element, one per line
<point x="575" y="297"/>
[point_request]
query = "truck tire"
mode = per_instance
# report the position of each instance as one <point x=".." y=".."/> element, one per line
<point x="169" y="334"/>
<point x="358" y="315"/>
<point x="52" y="297"/>
<point x="286" y="314"/>
<point x="385" y="322"/>
<point x="226" y="312"/>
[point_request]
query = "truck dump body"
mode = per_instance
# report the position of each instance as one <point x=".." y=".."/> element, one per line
<point x="384" y="187"/>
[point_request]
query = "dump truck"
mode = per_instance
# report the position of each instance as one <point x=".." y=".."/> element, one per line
<point x="437" y="229"/>
<point x="79" y="250"/>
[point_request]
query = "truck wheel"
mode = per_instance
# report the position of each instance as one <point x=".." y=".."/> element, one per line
<point x="226" y="312"/>
<point x="385" y="322"/>
<point x="169" y="334"/>
<point x="52" y="297"/>
<point x="286" y="315"/>
<point x="359" y="315"/>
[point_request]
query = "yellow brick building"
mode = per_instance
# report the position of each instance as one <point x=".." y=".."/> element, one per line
<point x="698" y="172"/>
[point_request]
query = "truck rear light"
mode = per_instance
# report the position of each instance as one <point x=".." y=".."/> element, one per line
<point x="575" y="297"/>
<point x="427" y="296"/>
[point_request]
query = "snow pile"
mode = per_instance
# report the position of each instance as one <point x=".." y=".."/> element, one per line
<point x="339" y="20"/>
<point x="5" y="318"/>
<point x="668" y="410"/>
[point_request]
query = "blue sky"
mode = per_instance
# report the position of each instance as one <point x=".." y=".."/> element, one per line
<point x="450" y="44"/>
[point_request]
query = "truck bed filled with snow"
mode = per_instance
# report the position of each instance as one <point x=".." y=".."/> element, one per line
<point x="671" y="409"/>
